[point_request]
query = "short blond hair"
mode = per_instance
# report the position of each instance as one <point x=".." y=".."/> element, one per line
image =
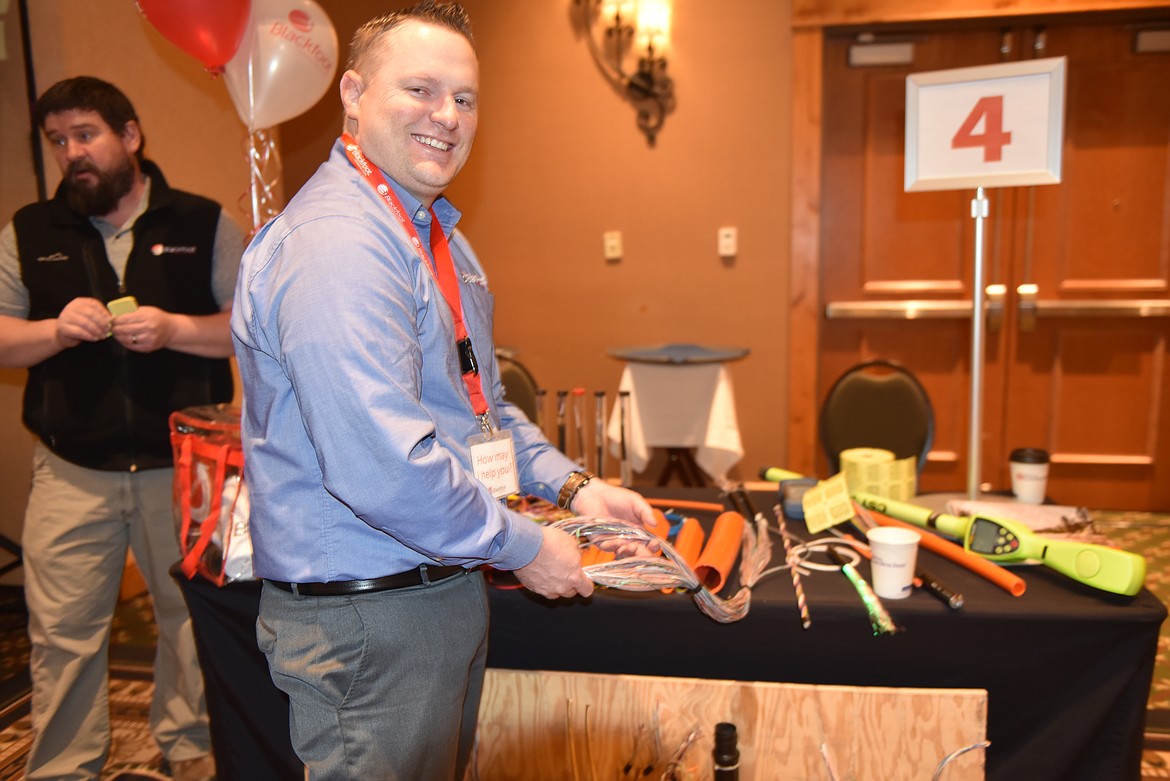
<point x="363" y="48"/>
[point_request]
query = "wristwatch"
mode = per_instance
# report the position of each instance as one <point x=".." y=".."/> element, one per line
<point x="574" y="484"/>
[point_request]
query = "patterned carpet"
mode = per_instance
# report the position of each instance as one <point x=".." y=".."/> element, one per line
<point x="1149" y="535"/>
<point x="131" y="651"/>
<point x="132" y="747"/>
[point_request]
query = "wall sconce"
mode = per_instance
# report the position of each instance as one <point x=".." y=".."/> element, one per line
<point x="612" y="26"/>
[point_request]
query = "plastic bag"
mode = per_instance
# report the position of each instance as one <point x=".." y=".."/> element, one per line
<point x="210" y="496"/>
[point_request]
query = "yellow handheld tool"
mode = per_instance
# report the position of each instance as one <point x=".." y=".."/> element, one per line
<point x="1004" y="540"/>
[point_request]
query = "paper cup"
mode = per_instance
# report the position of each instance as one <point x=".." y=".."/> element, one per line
<point x="895" y="552"/>
<point x="1029" y="468"/>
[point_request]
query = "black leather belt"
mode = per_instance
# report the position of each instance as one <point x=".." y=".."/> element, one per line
<point x="337" y="588"/>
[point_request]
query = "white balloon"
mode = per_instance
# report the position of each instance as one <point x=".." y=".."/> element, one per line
<point x="285" y="63"/>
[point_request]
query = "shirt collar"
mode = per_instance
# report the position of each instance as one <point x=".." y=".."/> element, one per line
<point x="448" y="215"/>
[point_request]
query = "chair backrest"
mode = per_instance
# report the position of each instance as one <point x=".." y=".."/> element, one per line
<point x="877" y="404"/>
<point x="520" y="386"/>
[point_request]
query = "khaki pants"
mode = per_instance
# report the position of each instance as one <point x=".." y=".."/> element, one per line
<point x="76" y="532"/>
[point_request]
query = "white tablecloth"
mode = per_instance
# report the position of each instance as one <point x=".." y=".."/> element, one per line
<point x="678" y="405"/>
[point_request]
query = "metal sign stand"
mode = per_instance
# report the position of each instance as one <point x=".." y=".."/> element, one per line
<point x="1016" y="106"/>
<point x="979" y="210"/>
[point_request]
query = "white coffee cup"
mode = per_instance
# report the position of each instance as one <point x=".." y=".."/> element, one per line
<point x="1029" y="467"/>
<point x="895" y="553"/>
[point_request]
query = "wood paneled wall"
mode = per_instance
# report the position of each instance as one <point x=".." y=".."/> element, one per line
<point x="810" y="20"/>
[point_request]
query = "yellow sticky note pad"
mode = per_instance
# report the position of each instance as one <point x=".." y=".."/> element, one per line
<point x="122" y="306"/>
<point x="827" y="504"/>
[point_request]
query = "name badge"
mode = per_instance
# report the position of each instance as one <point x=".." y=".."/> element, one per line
<point x="493" y="459"/>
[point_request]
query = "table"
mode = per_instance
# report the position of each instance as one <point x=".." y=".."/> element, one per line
<point x="1067" y="668"/>
<point x="681" y="397"/>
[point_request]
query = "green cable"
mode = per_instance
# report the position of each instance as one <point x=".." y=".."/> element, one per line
<point x="879" y="618"/>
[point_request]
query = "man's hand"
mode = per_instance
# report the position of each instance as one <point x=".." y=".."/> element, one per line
<point x="599" y="499"/>
<point x="556" y="570"/>
<point x="144" y="330"/>
<point x="82" y="320"/>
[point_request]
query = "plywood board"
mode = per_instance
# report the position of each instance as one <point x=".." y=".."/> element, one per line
<point x="569" y="726"/>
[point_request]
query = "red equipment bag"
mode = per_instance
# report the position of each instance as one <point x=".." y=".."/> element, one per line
<point x="210" y="498"/>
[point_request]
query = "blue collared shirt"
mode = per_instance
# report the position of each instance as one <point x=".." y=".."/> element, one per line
<point x="356" y="418"/>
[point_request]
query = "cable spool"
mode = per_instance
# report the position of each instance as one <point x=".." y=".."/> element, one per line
<point x="877" y="471"/>
<point x="863" y="467"/>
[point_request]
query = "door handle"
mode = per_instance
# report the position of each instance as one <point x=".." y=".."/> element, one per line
<point x="1030" y="308"/>
<point x="995" y="295"/>
<point x="1026" y="295"/>
<point x="917" y="309"/>
<point x="1116" y="307"/>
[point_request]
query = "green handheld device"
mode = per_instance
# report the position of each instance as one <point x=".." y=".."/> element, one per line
<point x="1005" y="540"/>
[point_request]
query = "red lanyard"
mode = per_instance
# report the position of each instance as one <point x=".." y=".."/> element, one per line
<point x="442" y="269"/>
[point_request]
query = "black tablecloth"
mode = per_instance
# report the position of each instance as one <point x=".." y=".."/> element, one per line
<point x="1067" y="667"/>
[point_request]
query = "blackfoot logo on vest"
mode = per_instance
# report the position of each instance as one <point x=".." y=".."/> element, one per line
<point x="163" y="249"/>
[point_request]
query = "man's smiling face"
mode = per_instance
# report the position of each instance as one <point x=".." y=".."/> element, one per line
<point x="416" y="111"/>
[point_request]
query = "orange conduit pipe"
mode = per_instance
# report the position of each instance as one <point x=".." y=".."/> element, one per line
<point x="686" y="504"/>
<point x="661" y="528"/>
<point x="1009" y="582"/>
<point x="688" y="543"/>
<point x="721" y="550"/>
<point x="589" y="555"/>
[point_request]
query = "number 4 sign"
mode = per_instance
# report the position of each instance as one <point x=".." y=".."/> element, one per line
<point x="991" y="126"/>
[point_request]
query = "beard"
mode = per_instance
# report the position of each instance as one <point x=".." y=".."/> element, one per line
<point x="100" y="198"/>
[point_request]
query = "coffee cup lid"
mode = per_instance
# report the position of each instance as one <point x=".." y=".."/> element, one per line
<point x="1029" y="455"/>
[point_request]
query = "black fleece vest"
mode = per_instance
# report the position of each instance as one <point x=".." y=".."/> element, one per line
<point x="99" y="405"/>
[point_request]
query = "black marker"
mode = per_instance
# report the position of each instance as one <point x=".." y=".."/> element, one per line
<point x="931" y="584"/>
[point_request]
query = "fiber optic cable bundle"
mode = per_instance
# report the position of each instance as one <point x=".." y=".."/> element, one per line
<point x="670" y="570"/>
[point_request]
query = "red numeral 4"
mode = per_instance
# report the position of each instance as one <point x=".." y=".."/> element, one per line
<point x="993" y="138"/>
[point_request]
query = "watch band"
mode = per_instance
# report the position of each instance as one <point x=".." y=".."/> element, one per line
<point x="571" y="487"/>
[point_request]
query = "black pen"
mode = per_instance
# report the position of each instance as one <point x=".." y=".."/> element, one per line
<point x="931" y="584"/>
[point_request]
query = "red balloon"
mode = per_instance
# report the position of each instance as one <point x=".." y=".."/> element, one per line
<point x="208" y="30"/>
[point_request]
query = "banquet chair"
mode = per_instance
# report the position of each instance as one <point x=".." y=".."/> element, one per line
<point x="520" y="386"/>
<point x="877" y="404"/>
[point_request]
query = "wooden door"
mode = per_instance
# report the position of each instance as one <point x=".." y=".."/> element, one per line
<point x="1068" y="366"/>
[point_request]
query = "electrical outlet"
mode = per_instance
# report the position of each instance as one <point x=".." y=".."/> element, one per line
<point x="612" y="242"/>
<point x="728" y="243"/>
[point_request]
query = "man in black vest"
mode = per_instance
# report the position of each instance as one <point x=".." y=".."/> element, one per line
<point x="100" y="388"/>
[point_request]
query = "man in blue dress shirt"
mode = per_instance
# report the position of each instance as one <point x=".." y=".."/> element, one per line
<point x="378" y="448"/>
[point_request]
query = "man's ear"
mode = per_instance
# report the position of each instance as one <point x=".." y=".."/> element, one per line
<point x="132" y="136"/>
<point x="351" y="88"/>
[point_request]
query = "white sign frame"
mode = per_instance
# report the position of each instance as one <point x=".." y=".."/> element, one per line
<point x="1032" y="95"/>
